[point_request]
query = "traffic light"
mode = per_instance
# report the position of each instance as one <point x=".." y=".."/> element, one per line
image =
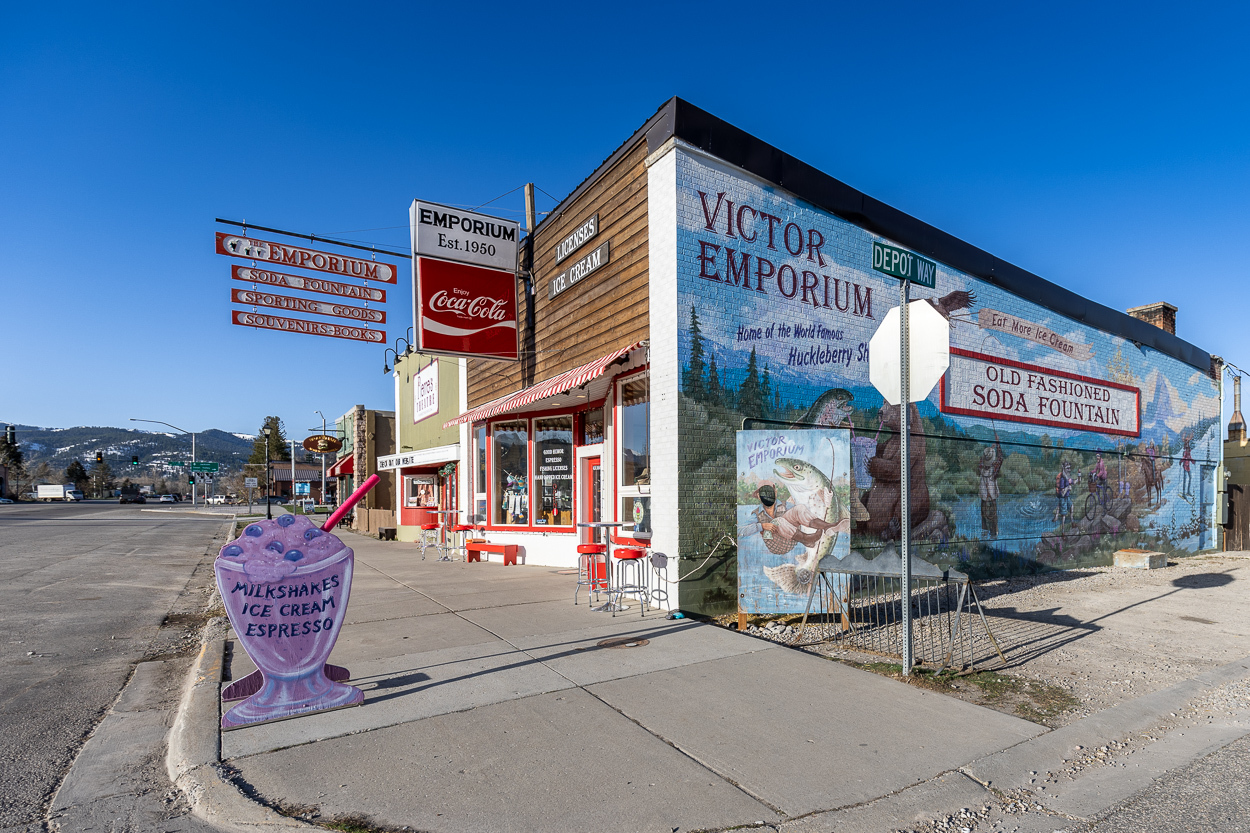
<point x="10" y="434"/>
<point x="134" y="459"/>
<point x="191" y="480"/>
<point x="99" y="457"/>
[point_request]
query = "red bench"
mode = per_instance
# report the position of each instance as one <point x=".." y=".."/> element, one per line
<point x="475" y="549"/>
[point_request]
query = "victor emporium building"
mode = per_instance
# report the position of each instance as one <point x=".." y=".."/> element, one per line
<point x="701" y="281"/>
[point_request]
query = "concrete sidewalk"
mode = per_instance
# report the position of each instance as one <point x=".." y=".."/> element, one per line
<point x="491" y="705"/>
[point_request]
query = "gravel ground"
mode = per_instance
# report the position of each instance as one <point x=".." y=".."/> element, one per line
<point x="1081" y="641"/>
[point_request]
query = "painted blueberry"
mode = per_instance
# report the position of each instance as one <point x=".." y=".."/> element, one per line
<point x="293" y="555"/>
<point x="254" y="531"/>
<point x="310" y="534"/>
<point x="232" y="551"/>
<point x="286" y="520"/>
<point x="276" y="546"/>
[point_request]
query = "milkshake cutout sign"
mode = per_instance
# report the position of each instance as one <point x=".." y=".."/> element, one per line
<point x="285" y="585"/>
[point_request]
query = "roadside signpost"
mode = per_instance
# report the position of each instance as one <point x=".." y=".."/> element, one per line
<point x="889" y="367"/>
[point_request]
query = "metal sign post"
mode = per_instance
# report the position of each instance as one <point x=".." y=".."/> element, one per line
<point x="904" y="417"/>
<point x="891" y="374"/>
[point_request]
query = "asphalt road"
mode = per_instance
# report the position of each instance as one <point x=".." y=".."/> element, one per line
<point x="83" y="591"/>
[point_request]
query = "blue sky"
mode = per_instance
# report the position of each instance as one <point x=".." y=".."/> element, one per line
<point x="1101" y="146"/>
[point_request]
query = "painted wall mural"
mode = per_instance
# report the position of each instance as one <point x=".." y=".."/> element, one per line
<point x="1049" y="444"/>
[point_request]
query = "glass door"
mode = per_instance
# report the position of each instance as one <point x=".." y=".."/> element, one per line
<point x="590" y="507"/>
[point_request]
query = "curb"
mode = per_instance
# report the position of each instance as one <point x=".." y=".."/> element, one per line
<point x="1009" y="767"/>
<point x="194" y="757"/>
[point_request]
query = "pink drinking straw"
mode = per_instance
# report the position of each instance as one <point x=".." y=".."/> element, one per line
<point x="355" y="498"/>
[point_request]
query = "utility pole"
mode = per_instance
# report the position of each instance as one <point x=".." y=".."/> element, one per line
<point x="268" y="505"/>
<point x="323" y="457"/>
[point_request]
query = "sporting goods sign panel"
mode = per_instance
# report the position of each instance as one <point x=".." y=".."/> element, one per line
<point x="291" y="304"/>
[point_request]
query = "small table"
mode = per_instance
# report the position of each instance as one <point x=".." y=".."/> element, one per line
<point x="451" y="513"/>
<point x="609" y="606"/>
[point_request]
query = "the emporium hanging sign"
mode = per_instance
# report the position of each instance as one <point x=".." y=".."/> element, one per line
<point x="307" y="284"/>
<point x="978" y="385"/>
<point x="446" y="233"/>
<point x="296" y="325"/>
<point x="234" y="245"/>
<point x="292" y="304"/>
<point x="465" y="310"/>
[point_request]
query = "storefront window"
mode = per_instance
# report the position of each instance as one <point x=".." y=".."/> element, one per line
<point x="553" y="470"/>
<point x="419" y="491"/>
<point x="510" y="441"/>
<point x="592" y="427"/>
<point x="635" y="431"/>
<point x="479" y="472"/>
<point x="634" y="456"/>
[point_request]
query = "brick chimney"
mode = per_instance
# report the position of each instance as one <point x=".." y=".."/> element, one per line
<point x="1162" y="315"/>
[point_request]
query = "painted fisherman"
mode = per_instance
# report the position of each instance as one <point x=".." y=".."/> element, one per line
<point x="1187" y="460"/>
<point x="779" y="525"/>
<point x="988" y="469"/>
<point x="1063" y="494"/>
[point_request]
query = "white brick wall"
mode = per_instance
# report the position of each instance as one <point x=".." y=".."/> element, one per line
<point x="665" y="368"/>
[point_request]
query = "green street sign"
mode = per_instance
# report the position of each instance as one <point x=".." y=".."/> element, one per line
<point x="177" y="463"/>
<point x="901" y="263"/>
<point x="209" y="467"/>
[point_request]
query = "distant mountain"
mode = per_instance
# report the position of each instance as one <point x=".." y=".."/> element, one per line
<point x="59" y="447"/>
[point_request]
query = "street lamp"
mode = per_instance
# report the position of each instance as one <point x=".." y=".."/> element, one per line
<point x="185" y="431"/>
<point x="323" y="457"/>
<point x="268" y="505"/>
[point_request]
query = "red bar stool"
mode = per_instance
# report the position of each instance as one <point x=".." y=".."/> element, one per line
<point x="631" y="577"/>
<point x="592" y="569"/>
<point x="461" y="531"/>
<point x="429" y="538"/>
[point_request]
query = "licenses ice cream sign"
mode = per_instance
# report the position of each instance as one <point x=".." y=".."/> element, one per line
<point x="984" y="386"/>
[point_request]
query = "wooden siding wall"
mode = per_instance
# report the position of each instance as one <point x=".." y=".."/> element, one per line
<point x="602" y="312"/>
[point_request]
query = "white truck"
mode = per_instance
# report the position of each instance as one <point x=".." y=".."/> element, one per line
<point x="65" y="493"/>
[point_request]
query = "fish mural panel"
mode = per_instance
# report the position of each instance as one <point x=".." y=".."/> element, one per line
<point x="794" y="516"/>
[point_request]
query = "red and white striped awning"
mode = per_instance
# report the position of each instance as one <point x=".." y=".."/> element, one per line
<point x="557" y="386"/>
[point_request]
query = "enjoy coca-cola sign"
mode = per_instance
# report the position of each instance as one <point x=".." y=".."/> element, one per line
<point x="466" y="310"/>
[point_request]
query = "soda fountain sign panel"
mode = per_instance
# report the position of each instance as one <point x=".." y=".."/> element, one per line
<point x="986" y="386"/>
<point x="466" y="310"/>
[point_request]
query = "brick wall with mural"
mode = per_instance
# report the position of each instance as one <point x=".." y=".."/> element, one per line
<point x="1048" y="445"/>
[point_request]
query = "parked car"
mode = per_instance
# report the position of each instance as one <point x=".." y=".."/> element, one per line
<point x="166" y="499"/>
<point x="133" y="499"/>
<point x="5" y="500"/>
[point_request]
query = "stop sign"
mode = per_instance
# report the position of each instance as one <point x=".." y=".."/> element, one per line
<point x="930" y="337"/>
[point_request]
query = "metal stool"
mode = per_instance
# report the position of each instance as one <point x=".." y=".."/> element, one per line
<point x="461" y="531"/>
<point x="429" y="538"/>
<point x="592" y="571"/>
<point x="631" y="577"/>
<point x="659" y="567"/>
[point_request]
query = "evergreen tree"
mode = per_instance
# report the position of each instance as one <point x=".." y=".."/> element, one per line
<point x="766" y="393"/>
<point x="713" y="383"/>
<point x="279" y="448"/>
<point x="693" y="384"/>
<point x="77" y="475"/>
<point x="750" y="399"/>
<point x="12" y="459"/>
<point x="102" y="479"/>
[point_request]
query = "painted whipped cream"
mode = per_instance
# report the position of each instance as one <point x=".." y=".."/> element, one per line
<point x="271" y="550"/>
